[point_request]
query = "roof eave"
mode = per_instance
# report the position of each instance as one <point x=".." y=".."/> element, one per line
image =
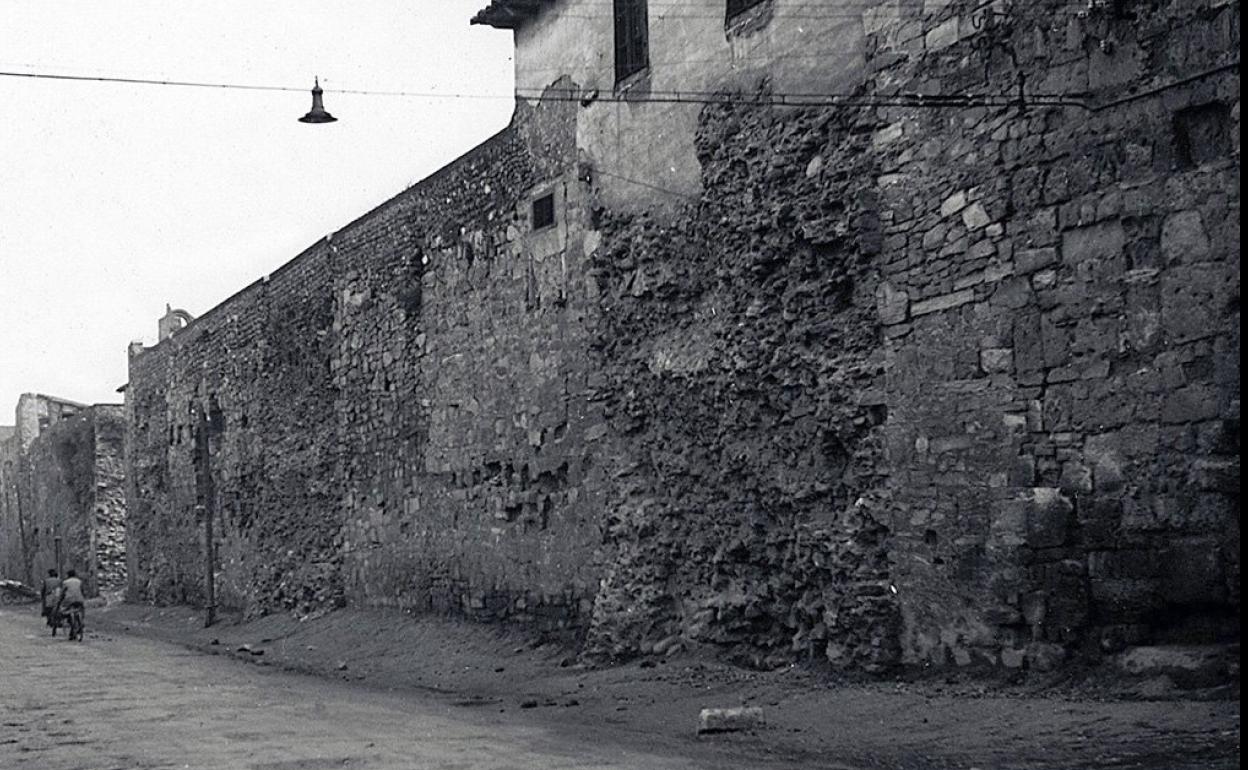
<point x="509" y="14"/>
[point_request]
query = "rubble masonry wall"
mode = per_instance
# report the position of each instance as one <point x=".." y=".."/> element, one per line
<point x="937" y="385"/>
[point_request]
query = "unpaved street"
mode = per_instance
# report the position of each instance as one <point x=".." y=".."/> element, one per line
<point x="123" y="703"/>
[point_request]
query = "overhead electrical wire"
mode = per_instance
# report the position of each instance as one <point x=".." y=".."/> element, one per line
<point x="809" y="10"/>
<point x="806" y="99"/>
<point x="1018" y="98"/>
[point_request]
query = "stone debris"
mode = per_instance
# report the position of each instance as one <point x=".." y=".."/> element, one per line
<point x="728" y="720"/>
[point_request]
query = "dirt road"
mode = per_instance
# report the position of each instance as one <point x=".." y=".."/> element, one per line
<point x="124" y="703"/>
<point x="423" y="692"/>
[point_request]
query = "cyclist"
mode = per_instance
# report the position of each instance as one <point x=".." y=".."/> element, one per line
<point x="72" y="598"/>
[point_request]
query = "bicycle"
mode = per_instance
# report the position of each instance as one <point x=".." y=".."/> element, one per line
<point x="75" y="617"/>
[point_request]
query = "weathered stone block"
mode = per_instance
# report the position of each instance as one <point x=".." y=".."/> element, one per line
<point x="953" y="204"/>
<point x="1031" y="260"/>
<point x="724" y="720"/>
<point x="975" y="217"/>
<point x="1192" y="403"/>
<point x="1215" y="475"/>
<point x="1099" y="243"/>
<point x="892" y="305"/>
<point x="1183" y="237"/>
<point x="943" y="35"/>
<point x="1048" y="514"/>
<point x="1194" y="573"/>
<point x="943" y="302"/>
<point x="995" y="360"/>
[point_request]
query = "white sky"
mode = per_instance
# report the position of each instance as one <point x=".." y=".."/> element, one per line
<point x="115" y="199"/>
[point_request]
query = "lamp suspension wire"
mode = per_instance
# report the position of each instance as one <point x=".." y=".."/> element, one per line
<point x="806" y="99"/>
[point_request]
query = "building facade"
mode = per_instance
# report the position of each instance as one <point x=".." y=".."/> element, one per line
<point x="883" y="333"/>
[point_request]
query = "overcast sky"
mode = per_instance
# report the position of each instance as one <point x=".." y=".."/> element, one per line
<point x="115" y="199"/>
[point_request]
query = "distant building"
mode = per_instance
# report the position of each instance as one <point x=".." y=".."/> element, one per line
<point x="62" y="478"/>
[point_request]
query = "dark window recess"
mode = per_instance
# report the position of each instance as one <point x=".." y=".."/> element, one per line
<point x="544" y="211"/>
<point x="632" y="43"/>
<point x="1202" y="134"/>
<point x="738" y="7"/>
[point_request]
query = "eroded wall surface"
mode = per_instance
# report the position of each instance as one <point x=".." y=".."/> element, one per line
<point x="948" y="381"/>
<point x="65" y="483"/>
<point x="397" y="416"/>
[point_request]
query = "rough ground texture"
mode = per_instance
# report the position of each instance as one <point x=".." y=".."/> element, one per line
<point x="811" y="719"/>
<point x="118" y="702"/>
<point x="939" y="382"/>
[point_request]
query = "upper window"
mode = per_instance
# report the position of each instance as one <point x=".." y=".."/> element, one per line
<point x="736" y="7"/>
<point x="632" y="38"/>
<point x="544" y="211"/>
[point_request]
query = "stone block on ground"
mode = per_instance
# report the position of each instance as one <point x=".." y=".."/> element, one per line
<point x="1189" y="666"/>
<point x="729" y="720"/>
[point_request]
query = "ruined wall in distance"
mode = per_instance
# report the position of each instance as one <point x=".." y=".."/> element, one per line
<point x="67" y="484"/>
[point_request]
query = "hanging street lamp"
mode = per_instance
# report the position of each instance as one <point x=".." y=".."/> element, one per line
<point x="317" y="114"/>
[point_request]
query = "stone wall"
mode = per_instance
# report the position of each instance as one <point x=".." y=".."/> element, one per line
<point x="464" y="424"/>
<point x="1060" y="300"/>
<point x="399" y="411"/>
<point x="12" y="535"/>
<point x="109" y="506"/>
<point x="253" y="378"/>
<point x="66" y="484"/>
<point x="744" y="379"/>
<point x="935" y="376"/>
<point x="998" y="343"/>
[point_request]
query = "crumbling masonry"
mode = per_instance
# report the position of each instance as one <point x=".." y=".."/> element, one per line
<point x="62" y="478"/>
<point x="950" y="380"/>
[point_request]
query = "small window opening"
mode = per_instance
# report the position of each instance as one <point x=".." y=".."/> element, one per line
<point x="1202" y="134"/>
<point x="544" y="211"/>
<point x="632" y="45"/>
<point x="738" y="7"/>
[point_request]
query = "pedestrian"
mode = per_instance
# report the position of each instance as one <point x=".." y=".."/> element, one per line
<point x="50" y="594"/>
